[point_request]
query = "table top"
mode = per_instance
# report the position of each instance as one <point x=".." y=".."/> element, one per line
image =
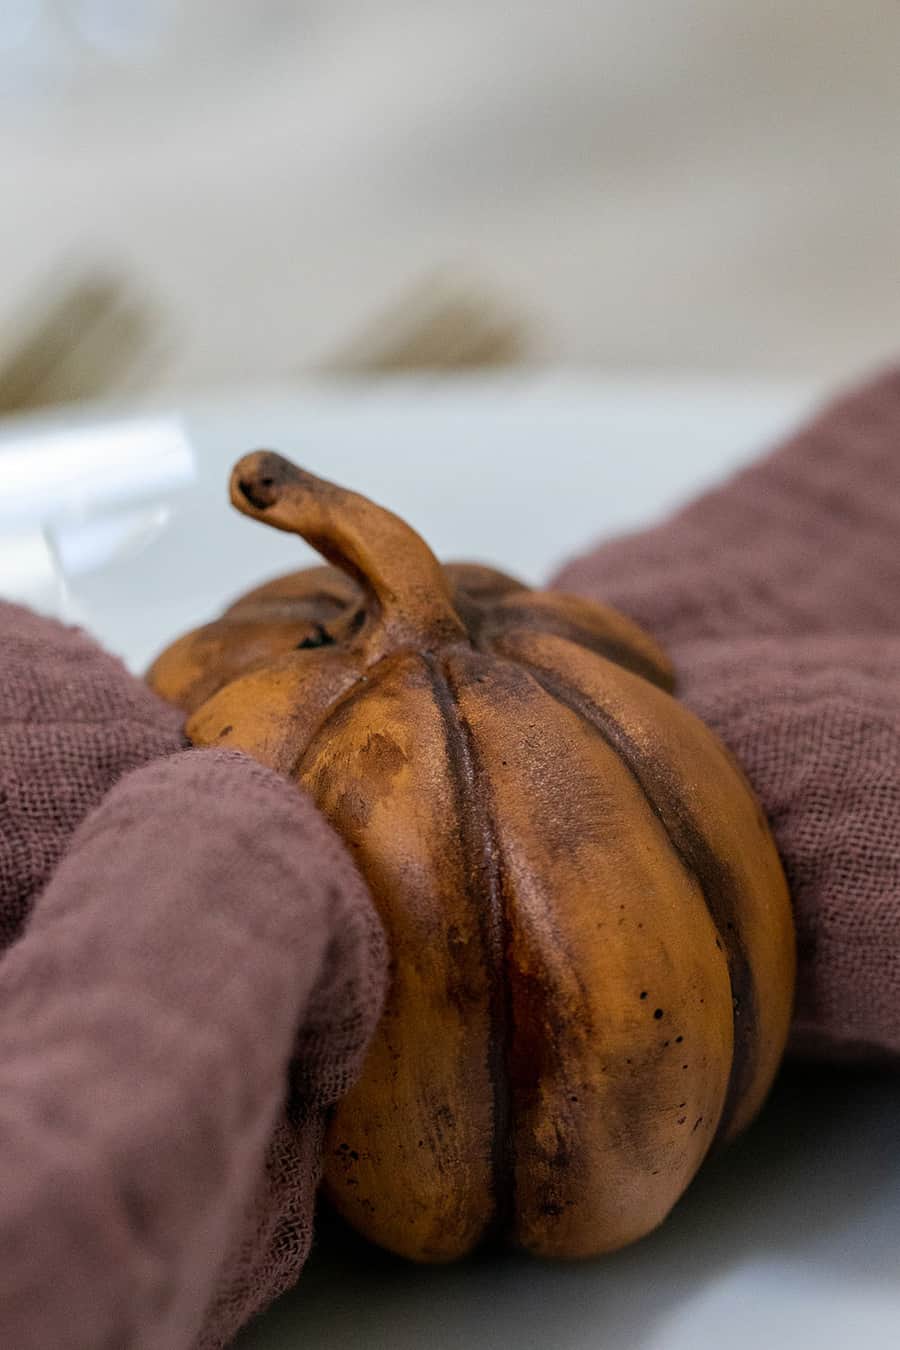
<point x="787" y="1241"/>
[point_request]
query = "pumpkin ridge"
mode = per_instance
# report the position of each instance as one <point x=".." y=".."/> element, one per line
<point x="561" y="626"/>
<point x="358" y="690"/>
<point x="258" y="611"/>
<point x="481" y="849"/>
<point x="694" y="854"/>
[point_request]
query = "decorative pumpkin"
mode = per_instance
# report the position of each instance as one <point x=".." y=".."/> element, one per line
<point x="593" y="954"/>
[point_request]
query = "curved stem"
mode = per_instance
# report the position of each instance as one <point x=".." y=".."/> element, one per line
<point x="407" y="594"/>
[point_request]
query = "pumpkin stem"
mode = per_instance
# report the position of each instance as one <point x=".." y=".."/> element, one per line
<point x="407" y="597"/>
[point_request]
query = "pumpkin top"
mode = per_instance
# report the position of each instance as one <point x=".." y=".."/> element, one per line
<point x="388" y="593"/>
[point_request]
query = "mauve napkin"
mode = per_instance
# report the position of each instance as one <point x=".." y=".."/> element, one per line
<point x="193" y="964"/>
<point x="204" y="943"/>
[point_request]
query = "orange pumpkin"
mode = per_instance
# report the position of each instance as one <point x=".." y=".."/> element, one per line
<point x="593" y="954"/>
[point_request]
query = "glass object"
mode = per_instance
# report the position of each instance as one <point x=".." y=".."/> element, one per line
<point x="80" y="502"/>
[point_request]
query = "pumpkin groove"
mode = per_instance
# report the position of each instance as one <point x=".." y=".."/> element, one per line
<point x="699" y="861"/>
<point x="486" y="895"/>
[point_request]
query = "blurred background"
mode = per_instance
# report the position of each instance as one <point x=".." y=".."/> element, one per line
<point x="204" y="192"/>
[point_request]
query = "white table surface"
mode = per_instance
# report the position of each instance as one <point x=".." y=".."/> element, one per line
<point x="789" y="1241"/>
<point x="517" y="470"/>
<point x="792" y="1239"/>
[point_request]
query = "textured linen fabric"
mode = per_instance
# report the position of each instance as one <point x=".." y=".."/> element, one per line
<point x="180" y="1005"/>
<point x="778" y="598"/>
<point x="71" y="722"/>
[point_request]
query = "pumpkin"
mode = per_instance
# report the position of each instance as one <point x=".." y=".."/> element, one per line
<point x="592" y="946"/>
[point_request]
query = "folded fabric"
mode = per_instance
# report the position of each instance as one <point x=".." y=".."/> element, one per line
<point x="204" y="945"/>
<point x="777" y="596"/>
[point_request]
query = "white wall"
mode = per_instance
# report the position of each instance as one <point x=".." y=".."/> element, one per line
<point x="701" y="184"/>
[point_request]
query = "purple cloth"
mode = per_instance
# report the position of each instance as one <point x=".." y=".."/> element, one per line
<point x="204" y="941"/>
